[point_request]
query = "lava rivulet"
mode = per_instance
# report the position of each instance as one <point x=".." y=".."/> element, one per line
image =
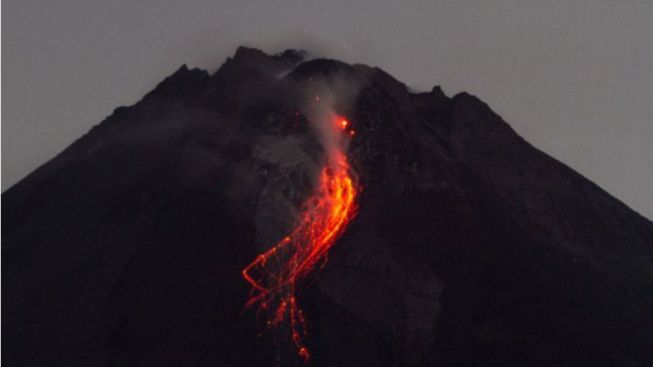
<point x="275" y="275"/>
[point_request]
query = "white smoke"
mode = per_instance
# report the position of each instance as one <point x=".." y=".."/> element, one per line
<point x="326" y="105"/>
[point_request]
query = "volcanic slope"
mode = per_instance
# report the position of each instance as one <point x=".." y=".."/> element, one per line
<point x="470" y="247"/>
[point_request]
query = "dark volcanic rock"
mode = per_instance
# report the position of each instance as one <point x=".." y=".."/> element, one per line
<point x="471" y="247"/>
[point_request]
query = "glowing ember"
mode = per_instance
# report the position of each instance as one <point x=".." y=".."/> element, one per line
<point x="275" y="274"/>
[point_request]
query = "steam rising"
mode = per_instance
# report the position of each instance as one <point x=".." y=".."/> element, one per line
<point x="324" y="99"/>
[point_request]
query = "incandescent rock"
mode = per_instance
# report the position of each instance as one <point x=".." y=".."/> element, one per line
<point x="471" y="247"/>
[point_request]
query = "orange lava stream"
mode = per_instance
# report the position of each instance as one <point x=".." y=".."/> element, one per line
<point x="275" y="274"/>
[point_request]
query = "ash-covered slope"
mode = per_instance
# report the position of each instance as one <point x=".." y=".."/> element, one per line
<point x="471" y="247"/>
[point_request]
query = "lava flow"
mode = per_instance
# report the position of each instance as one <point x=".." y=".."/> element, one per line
<point x="275" y="274"/>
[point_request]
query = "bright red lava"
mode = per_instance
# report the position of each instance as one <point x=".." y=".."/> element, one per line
<point x="275" y="274"/>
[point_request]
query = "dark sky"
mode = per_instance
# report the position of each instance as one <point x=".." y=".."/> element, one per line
<point x="575" y="78"/>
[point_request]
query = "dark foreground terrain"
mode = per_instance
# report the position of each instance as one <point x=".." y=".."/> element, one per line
<point x="471" y="247"/>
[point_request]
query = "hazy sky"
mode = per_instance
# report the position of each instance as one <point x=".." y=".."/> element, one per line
<point x="575" y="78"/>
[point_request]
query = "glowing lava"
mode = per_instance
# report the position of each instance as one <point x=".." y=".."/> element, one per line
<point x="275" y="274"/>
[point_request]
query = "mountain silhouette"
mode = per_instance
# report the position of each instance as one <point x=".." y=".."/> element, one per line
<point x="470" y="247"/>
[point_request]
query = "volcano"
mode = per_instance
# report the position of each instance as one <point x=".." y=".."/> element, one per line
<point x="464" y="246"/>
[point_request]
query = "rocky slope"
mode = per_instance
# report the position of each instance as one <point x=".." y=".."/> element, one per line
<point x="471" y="247"/>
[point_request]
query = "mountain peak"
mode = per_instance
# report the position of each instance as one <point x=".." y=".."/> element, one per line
<point x="183" y="82"/>
<point x="470" y="246"/>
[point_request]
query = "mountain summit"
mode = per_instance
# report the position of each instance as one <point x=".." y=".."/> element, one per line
<point x="470" y="247"/>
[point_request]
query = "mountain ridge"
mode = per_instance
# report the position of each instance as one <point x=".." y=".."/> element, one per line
<point x="472" y="247"/>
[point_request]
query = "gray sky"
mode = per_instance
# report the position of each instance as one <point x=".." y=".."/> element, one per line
<point x="575" y="78"/>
